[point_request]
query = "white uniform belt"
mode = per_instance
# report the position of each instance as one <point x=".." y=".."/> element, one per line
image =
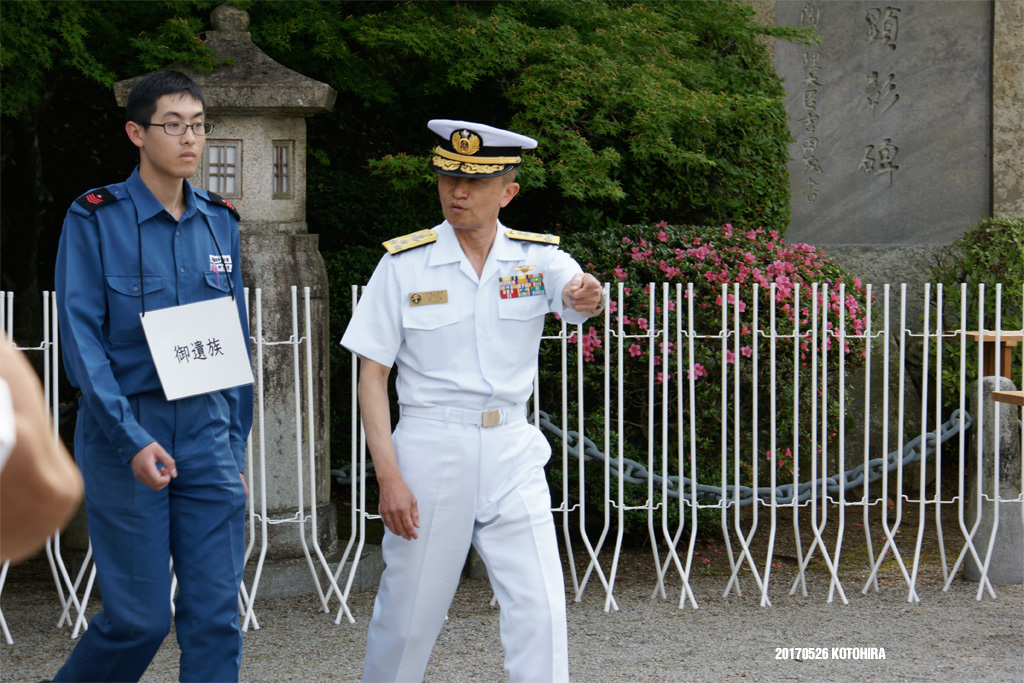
<point x="465" y="416"/>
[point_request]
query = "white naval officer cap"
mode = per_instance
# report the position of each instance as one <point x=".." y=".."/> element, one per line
<point x="475" y="150"/>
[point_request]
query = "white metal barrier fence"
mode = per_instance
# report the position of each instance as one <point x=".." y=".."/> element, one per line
<point x="672" y="445"/>
<point x="821" y="335"/>
<point x="809" y="355"/>
<point x="74" y="593"/>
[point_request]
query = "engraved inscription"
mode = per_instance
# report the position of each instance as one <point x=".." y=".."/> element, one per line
<point x="810" y="15"/>
<point x="812" y="65"/>
<point x="883" y="93"/>
<point x="880" y="159"/>
<point x="812" y="190"/>
<point x="883" y="25"/>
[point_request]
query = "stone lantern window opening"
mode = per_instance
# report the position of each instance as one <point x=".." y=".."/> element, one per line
<point x="282" y="169"/>
<point x="222" y="170"/>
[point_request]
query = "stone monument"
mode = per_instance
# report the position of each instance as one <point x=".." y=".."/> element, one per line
<point x="256" y="159"/>
<point x="907" y="120"/>
<point x="908" y="126"/>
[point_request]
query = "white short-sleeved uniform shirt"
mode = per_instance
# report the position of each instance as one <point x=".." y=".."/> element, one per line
<point x="476" y="347"/>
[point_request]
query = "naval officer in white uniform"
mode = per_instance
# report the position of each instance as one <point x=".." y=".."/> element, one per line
<point x="459" y="309"/>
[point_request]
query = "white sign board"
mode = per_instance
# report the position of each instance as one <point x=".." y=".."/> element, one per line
<point x="198" y="348"/>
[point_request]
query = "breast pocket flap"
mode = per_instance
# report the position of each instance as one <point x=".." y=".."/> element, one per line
<point x="430" y="317"/>
<point x="218" y="280"/>
<point x="524" y="308"/>
<point x="130" y="285"/>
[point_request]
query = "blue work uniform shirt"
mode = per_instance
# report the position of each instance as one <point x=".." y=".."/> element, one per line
<point x="100" y="285"/>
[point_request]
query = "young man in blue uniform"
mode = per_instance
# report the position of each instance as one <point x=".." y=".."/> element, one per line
<point x="460" y="310"/>
<point x="162" y="479"/>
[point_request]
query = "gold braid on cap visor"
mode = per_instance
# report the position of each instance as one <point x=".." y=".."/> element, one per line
<point x="448" y="165"/>
<point x="476" y="160"/>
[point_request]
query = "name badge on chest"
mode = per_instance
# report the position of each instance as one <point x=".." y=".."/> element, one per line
<point x="518" y="286"/>
<point x="198" y="348"/>
<point x="438" y="296"/>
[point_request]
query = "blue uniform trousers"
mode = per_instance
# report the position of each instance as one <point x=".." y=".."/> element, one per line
<point x="199" y="520"/>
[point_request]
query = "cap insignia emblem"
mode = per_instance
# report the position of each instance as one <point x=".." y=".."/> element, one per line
<point x="465" y="142"/>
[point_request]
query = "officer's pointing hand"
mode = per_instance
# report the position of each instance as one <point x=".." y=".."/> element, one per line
<point x="145" y="466"/>
<point x="583" y="294"/>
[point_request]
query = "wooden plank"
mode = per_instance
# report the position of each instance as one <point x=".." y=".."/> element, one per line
<point x="1013" y="397"/>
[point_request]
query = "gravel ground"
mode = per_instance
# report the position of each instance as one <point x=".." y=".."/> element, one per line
<point x="947" y="636"/>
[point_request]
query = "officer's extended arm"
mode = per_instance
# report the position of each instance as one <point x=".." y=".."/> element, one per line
<point x="397" y="503"/>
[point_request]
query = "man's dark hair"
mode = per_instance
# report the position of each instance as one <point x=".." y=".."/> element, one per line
<point x="142" y="99"/>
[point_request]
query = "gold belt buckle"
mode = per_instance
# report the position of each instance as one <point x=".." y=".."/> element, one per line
<point x="492" y="418"/>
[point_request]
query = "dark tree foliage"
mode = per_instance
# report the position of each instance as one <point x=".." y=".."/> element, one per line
<point x="61" y="131"/>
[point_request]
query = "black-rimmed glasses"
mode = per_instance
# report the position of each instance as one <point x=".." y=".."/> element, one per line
<point x="178" y="128"/>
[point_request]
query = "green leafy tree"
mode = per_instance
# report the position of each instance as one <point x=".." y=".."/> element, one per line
<point x="60" y="124"/>
<point x="643" y="110"/>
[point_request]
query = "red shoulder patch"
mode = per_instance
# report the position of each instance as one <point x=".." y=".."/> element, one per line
<point x="91" y="201"/>
<point x="220" y="201"/>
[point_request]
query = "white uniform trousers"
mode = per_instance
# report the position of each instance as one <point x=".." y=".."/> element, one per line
<point x="485" y="487"/>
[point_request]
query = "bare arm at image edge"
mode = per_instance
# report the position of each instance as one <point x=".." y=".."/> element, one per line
<point x="40" y="487"/>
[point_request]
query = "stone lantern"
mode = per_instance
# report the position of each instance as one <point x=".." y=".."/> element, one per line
<point x="256" y="159"/>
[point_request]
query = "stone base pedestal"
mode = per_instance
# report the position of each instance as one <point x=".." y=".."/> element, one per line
<point x="1007" y="564"/>
<point x="283" y="539"/>
<point x="291" y="576"/>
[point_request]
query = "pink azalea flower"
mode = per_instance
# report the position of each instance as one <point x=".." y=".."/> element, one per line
<point x="697" y="372"/>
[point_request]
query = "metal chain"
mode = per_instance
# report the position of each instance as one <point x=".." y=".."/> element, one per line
<point x="636" y="473"/>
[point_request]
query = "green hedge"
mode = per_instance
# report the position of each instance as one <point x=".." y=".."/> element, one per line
<point x="989" y="253"/>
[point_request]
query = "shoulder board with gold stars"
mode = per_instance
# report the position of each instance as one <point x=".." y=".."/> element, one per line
<point x="532" y="237"/>
<point x="397" y="245"/>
